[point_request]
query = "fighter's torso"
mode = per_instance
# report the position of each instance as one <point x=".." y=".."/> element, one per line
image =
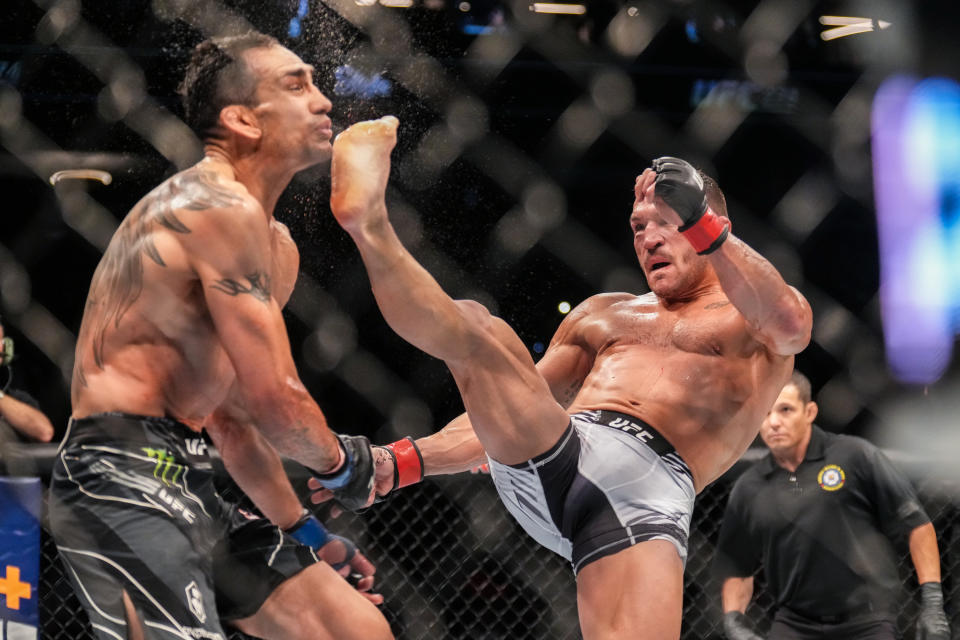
<point x="147" y="343"/>
<point x="693" y="371"/>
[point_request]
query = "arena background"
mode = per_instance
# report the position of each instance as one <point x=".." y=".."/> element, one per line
<point x="521" y="133"/>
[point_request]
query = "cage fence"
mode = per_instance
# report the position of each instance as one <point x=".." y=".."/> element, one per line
<point x="526" y="130"/>
<point x="529" y="170"/>
<point x="452" y="564"/>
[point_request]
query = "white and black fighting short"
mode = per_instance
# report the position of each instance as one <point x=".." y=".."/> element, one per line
<point x="133" y="508"/>
<point x="610" y="482"/>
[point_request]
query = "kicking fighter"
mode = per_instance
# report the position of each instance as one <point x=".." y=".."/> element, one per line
<point x="182" y="330"/>
<point x="639" y="402"/>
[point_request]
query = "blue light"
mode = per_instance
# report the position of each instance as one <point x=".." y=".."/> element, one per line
<point x="916" y="153"/>
<point x="477" y="29"/>
<point x="302" y="9"/>
<point x="352" y="82"/>
<point x="538" y="347"/>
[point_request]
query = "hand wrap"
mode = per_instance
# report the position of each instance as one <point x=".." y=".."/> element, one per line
<point x="308" y="530"/>
<point x="407" y="464"/>
<point x="735" y="627"/>
<point x="352" y="483"/>
<point x="681" y="187"/>
<point x="932" y="622"/>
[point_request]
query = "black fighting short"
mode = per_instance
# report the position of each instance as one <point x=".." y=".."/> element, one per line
<point x="133" y="507"/>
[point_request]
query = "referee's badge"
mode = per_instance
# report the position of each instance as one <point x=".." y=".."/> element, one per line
<point x="831" y="477"/>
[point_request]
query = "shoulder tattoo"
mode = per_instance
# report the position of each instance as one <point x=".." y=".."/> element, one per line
<point x="118" y="281"/>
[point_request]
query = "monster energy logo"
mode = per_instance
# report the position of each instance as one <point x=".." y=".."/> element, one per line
<point x="166" y="465"/>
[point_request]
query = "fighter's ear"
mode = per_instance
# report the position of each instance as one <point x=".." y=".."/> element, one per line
<point x="241" y="121"/>
<point x="810" y="411"/>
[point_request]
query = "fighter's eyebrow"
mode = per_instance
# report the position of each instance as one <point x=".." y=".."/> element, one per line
<point x="300" y="71"/>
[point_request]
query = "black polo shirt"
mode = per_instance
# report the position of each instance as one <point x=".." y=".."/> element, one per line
<point x="822" y="533"/>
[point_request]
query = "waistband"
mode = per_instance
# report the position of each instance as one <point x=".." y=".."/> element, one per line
<point x="624" y="423"/>
<point x="127" y="427"/>
<point x="632" y="426"/>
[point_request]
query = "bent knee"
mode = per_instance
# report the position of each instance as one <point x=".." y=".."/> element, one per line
<point x="478" y="329"/>
<point x="477" y="316"/>
<point x="485" y="331"/>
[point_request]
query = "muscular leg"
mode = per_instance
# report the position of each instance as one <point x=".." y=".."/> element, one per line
<point x="316" y="604"/>
<point x="510" y="405"/>
<point x="634" y="594"/>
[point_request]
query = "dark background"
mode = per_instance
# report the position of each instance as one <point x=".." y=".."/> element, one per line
<point x="799" y="142"/>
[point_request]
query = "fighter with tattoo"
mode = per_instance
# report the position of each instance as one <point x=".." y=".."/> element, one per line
<point x="182" y="331"/>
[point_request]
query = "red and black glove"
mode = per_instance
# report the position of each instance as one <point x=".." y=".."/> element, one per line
<point x="407" y="464"/>
<point x="681" y="187"/>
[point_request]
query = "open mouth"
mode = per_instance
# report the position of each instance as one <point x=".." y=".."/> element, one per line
<point x="658" y="265"/>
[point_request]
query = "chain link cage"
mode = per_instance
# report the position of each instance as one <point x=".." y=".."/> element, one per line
<point x="521" y="134"/>
<point x="452" y="565"/>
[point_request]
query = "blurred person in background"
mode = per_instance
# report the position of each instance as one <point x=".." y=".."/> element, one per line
<point x="182" y="331"/>
<point x="20" y="415"/>
<point x="598" y="450"/>
<point x="819" y="513"/>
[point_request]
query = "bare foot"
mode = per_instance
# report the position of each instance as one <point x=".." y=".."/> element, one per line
<point x="360" y="170"/>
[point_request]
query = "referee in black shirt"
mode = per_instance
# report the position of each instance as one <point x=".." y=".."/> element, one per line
<point x="819" y="512"/>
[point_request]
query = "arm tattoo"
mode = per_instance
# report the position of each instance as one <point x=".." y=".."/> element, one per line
<point x="259" y="286"/>
<point x="118" y="280"/>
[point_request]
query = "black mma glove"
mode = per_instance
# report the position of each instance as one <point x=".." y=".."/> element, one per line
<point x="932" y="623"/>
<point x="407" y="464"/>
<point x="681" y="187"/>
<point x="352" y="483"/>
<point x="735" y="627"/>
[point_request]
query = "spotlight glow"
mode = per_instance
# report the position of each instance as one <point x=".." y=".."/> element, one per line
<point x="564" y="307"/>
<point x="81" y="174"/>
<point x="916" y="134"/>
<point x="848" y="26"/>
<point x="560" y="8"/>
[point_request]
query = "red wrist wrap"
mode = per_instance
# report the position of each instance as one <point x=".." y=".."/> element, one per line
<point x="408" y="461"/>
<point x="708" y="233"/>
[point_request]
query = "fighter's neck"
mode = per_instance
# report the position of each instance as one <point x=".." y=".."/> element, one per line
<point x="263" y="181"/>
<point x="706" y="287"/>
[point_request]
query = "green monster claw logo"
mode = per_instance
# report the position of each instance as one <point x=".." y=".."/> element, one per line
<point x="165" y="460"/>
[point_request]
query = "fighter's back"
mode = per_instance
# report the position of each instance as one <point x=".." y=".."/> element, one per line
<point x="147" y="342"/>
